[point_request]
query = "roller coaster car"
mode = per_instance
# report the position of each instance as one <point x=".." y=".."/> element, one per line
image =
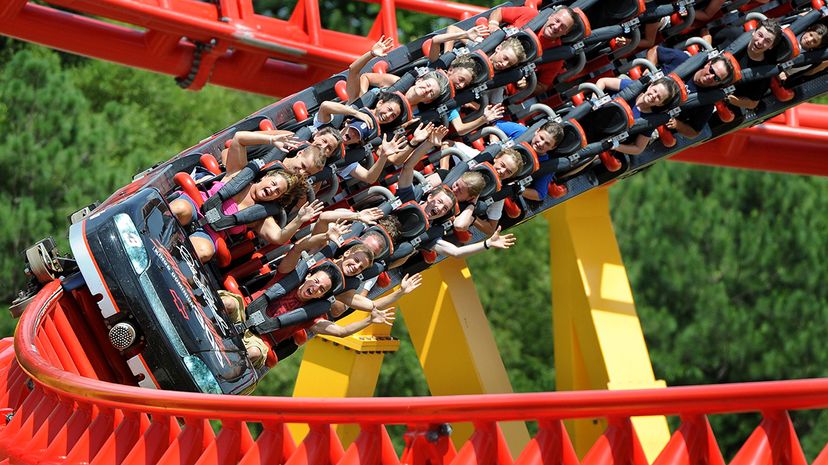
<point x="160" y="305"/>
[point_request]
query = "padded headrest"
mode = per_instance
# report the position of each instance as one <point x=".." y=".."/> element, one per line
<point x="737" y="69"/>
<point x="574" y="138"/>
<point x="413" y="219"/>
<point x="623" y="9"/>
<point x="485" y="70"/>
<point x="389" y="244"/>
<point x="612" y="118"/>
<point x="787" y="48"/>
<point x="580" y="29"/>
<point x="530" y="160"/>
<point x="490" y="178"/>
<point x="337" y="277"/>
<point x="407" y="112"/>
<point x="531" y="44"/>
<point x="682" y="95"/>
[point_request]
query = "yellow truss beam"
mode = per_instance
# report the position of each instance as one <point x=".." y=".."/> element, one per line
<point x="599" y="343"/>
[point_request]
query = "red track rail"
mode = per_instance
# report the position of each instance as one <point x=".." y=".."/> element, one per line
<point x="251" y="52"/>
<point x="793" y="142"/>
<point x="276" y="57"/>
<point x="66" y="414"/>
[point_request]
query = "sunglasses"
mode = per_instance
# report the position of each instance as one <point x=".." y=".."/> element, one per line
<point x="716" y="77"/>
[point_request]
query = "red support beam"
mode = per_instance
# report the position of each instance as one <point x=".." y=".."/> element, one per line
<point x="793" y="142"/>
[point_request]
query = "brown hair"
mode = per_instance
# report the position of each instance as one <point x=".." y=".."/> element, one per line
<point x="332" y="131"/>
<point x="296" y="185"/>
<point x="316" y="155"/>
<point x="468" y="63"/>
<point x="555" y="130"/>
<point x="392" y="225"/>
<point x="449" y="193"/>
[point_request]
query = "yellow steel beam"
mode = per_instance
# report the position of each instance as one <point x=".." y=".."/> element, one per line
<point x="454" y="343"/>
<point x="599" y="343"/>
<point x="343" y="367"/>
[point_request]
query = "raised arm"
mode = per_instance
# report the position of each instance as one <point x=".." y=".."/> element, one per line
<point x="406" y="177"/>
<point x="329" y="328"/>
<point x="361" y="302"/>
<point x="491" y="114"/>
<point x="635" y="148"/>
<point x="496" y="241"/>
<point x="453" y="33"/>
<point x="327" y="109"/>
<point x="386" y="149"/>
<point x="270" y="232"/>
<point x="291" y="259"/>
<point x="609" y="83"/>
<point x="380" y="49"/>
<point x="237" y="152"/>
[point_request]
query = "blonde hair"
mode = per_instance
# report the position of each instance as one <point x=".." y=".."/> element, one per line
<point x="474" y="182"/>
<point x="360" y="248"/>
<point x="516" y="46"/>
<point x="515" y="156"/>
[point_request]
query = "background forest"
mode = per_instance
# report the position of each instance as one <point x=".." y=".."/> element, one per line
<point x="727" y="266"/>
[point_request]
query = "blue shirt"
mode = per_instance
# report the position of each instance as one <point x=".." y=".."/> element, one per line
<point x="541" y="184"/>
<point x="669" y="59"/>
<point x="511" y="129"/>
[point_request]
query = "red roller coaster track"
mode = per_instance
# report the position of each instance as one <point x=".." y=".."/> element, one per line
<point x="60" y="409"/>
<point x="270" y="56"/>
<point x="71" y="416"/>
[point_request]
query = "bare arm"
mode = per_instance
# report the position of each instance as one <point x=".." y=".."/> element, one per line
<point x="742" y="102"/>
<point x="465" y="219"/>
<point x="490" y="114"/>
<point x="682" y="128"/>
<point x="270" y="232"/>
<point x="609" y="83"/>
<point x="709" y="11"/>
<point x="652" y="55"/>
<point x="635" y="148"/>
<point x="496" y="241"/>
<point x="236" y="158"/>
<point x="361" y="302"/>
<point x="447" y="38"/>
<point x="379" y="49"/>
<point x="329" y="328"/>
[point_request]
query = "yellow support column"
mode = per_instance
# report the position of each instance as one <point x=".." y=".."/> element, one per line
<point x="343" y="367"/>
<point x="599" y="343"/>
<point x="454" y="343"/>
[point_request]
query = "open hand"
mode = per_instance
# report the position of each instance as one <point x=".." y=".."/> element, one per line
<point x="383" y="316"/>
<point x="494" y="112"/>
<point x="370" y="215"/>
<point x="308" y="211"/>
<point x="382" y="47"/>
<point x="501" y="242"/>
<point x="437" y="135"/>
<point x="390" y="147"/>
<point x="337" y="230"/>
<point x="409" y="283"/>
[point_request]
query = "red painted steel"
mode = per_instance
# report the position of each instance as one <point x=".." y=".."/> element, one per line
<point x="64" y="414"/>
<point x="249" y="51"/>
<point x="792" y="142"/>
